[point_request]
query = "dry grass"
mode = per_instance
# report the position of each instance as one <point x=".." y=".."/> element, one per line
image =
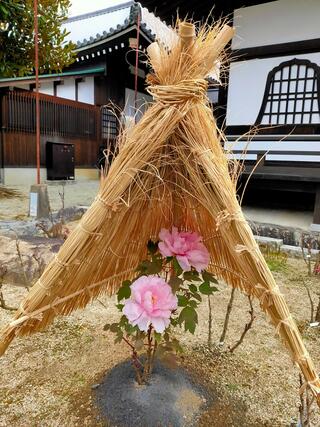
<point x="9" y="193"/>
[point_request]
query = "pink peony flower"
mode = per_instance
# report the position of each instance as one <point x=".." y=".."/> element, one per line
<point x="187" y="247"/>
<point x="151" y="302"/>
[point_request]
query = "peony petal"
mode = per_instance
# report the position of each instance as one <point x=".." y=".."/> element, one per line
<point x="159" y="324"/>
<point x="131" y="310"/>
<point x="184" y="263"/>
<point x="164" y="249"/>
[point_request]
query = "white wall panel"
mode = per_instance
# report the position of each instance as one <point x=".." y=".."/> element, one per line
<point x="247" y="82"/>
<point x="86" y="90"/>
<point x="276" y="22"/>
<point x="67" y="89"/>
<point x="46" y="87"/>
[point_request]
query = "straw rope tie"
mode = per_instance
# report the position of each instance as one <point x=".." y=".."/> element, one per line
<point x="91" y="233"/>
<point x="225" y="217"/>
<point x="186" y="90"/>
<point x="110" y="206"/>
<point x="47" y="288"/>
<point x="313" y="385"/>
<point x="284" y="322"/>
<point x="252" y="250"/>
<point x="266" y="298"/>
<point x="60" y="263"/>
<point x="302" y="358"/>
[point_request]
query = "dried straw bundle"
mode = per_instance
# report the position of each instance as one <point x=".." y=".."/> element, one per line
<point x="170" y="170"/>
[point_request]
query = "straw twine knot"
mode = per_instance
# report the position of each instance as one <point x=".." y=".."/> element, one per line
<point x="313" y="385"/>
<point x="225" y="217"/>
<point x="186" y="90"/>
<point x="267" y="296"/>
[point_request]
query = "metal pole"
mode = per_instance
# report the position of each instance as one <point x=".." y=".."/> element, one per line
<point x="36" y="66"/>
<point x="137" y="63"/>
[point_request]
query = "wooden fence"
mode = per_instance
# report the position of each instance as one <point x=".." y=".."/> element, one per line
<point x="62" y="120"/>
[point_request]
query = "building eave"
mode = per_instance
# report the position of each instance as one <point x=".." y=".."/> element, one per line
<point x="53" y="76"/>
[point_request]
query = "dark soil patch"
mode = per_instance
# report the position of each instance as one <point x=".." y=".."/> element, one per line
<point x="172" y="398"/>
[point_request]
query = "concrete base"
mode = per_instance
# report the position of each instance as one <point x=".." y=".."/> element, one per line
<point x="315" y="227"/>
<point x="27" y="176"/>
<point x="39" y="206"/>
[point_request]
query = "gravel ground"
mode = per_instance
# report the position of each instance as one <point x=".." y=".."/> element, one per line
<point x="50" y="378"/>
<point x="75" y="193"/>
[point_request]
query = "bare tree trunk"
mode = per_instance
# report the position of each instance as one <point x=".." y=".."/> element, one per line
<point x="247" y="327"/>
<point x="317" y="318"/>
<point x="210" y="323"/>
<point x="227" y="317"/>
<point x="311" y="302"/>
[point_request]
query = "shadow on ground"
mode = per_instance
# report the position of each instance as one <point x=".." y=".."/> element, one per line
<point x="172" y="398"/>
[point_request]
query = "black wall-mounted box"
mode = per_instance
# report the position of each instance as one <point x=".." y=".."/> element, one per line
<point x="60" y="161"/>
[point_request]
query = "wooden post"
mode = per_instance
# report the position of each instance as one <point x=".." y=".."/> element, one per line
<point x="36" y="66"/>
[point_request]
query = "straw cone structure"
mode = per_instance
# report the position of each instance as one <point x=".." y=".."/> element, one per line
<point x="170" y="170"/>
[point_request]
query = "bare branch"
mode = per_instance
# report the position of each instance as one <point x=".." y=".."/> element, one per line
<point x="247" y="327"/>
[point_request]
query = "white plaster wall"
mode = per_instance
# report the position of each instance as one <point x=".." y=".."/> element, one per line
<point x="46" y="87"/>
<point x="142" y="104"/>
<point x="67" y="89"/>
<point x="247" y="81"/>
<point x="276" y="22"/>
<point x="86" y="90"/>
<point x="21" y="86"/>
<point x="281" y="145"/>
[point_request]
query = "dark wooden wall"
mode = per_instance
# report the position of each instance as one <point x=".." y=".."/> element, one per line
<point x="19" y="149"/>
<point x="62" y="120"/>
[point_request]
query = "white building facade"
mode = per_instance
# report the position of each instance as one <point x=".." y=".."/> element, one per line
<point x="273" y="102"/>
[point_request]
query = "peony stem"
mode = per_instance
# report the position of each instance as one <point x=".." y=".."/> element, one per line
<point x="147" y="366"/>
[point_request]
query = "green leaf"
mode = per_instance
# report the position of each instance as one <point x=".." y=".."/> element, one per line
<point x="106" y="327"/>
<point x="190" y="325"/>
<point x="130" y="330"/>
<point x="120" y="306"/>
<point x="193" y="288"/>
<point x="176" y="266"/>
<point x="182" y="301"/>
<point x="193" y="303"/>
<point x="114" y="327"/>
<point x="176" y="345"/>
<point x="157" y="337"/>
<point x="123" y="321"/>
<point x="126" y="283"/>
<point x="175" y="283"/>
<point x="189" y="317"/>
<point x="119" y="337"/>
<point x="151" y="267"/>
<point x="209" y="277"/>
<point x="197" y="296"/>
<point x="191" y="276"/>
<point x="124" y="292"/>
<point x="205" y="288"/>
<point x="152" y="247"/>
<point x="168" y="259"/>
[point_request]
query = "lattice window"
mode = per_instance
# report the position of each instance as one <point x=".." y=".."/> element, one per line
<point x="292" y="94"/>
<point x="109" y="124"/>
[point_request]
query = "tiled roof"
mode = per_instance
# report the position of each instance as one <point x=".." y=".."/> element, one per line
<point x="100" y="25"/>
